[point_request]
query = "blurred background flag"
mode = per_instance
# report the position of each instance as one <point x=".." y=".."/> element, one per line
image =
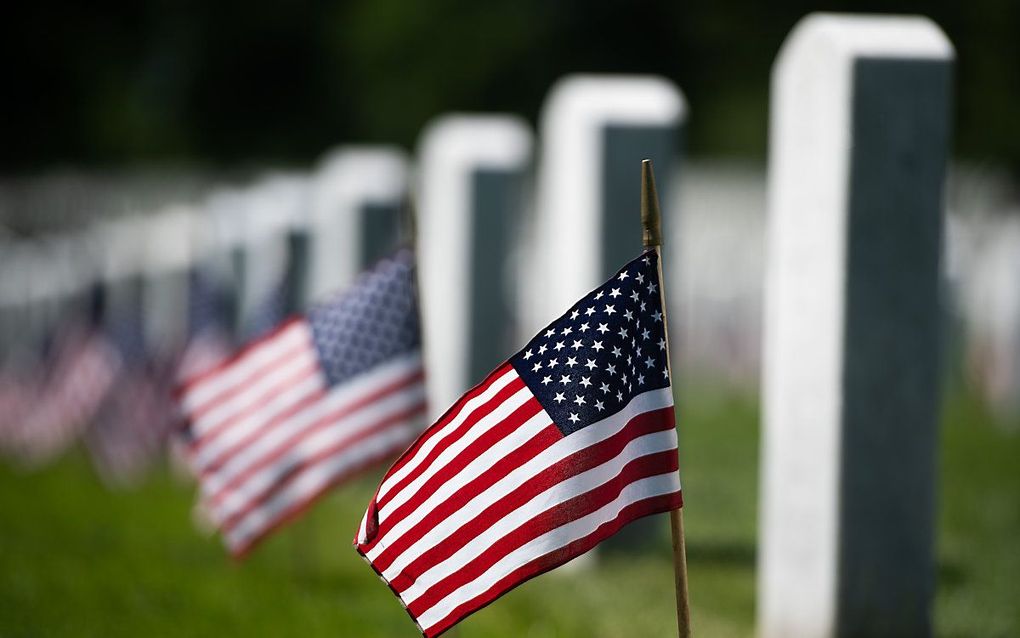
<point x="21" y="376"/>
<point x="555" y="451"/>
<point x="209" y="325"/>
<point x="130" y="429"/>
<point x="71" y="367"/>
<point x="323" y="396"/>
<point x="84" y="365"/>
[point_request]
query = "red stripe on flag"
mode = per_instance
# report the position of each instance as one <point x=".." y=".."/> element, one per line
<point x="453" y="436"/>
<point x="548" y="562"/>
<point x="437" y="428"/>
<point x="189" y="384"/>
<point x="324" y="422"/>
<point x="289" y="413"/>
<point x="550" y="519"/>
<point x="257" y="404"/>
<point x="486" y="441"/>
<point x="310" y="461"/>
<point x="247" y="381"/>
<point x="241" y="551"/>
<point x="580" y="461"/>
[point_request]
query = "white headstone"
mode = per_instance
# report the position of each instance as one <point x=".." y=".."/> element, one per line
<point x="23" y="329"/>
<point x="12" y="297"/>
<point x="168" y="260"/>
<point x="124" y="243"/>
<point x="595" y="130"/>
<point x="989" y="294"/>
<point x="274" y="208"/>
<point x="858" y="145"/>
<point x="48" y="289"/>
<point x="357" y="196"/>
<point x="472" y="181"/>
<point x="223" y="245"/>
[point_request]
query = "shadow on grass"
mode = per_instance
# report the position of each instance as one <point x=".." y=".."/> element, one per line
<point x="724" y="554"/>
<point x="951" y="574"/>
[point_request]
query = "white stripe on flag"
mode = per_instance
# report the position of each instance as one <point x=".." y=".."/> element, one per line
<point x="267" y="415"/>
<point x="562" y="492"/>
<point x="487" y="422"/>
<point x="551" y="541"/>
<point x="208" y="387"/>
<point x="568" y="445"/>
<point x="455" y="421"/>
<point x="339" y="398"/>
<point x="473" y="470"/>
<point x="334" y="434"/>
<point x="254" y="390"/>
<point x="311" y="481"/>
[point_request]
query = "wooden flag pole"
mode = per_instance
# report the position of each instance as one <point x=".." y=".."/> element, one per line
<point x="651" y="225"/>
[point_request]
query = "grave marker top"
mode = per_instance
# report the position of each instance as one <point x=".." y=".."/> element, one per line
<point x="350" y="186"/>
<point x="581" y="115"/>
<point x="472" y="173"/>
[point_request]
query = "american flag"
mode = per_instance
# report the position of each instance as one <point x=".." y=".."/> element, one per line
<point x="21" y="376"/>
<point x="294" y="413"/>
<point x="71" y="375"/>
<point x="83" y="368"/>
<point x="556" y="450"/>
<point x="131" y="428"/>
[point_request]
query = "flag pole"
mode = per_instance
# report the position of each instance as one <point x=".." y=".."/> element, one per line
<point x="651" y="236"/>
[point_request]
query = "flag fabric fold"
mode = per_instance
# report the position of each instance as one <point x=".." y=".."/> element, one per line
<point x="561" y="446"/>
<point x="323" y="396"/>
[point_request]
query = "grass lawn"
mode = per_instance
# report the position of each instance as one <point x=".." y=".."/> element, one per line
<point x="76" y="559"/>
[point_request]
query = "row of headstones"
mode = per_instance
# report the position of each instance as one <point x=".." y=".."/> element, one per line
<point x="859" y="138"/>
<point x="290" y="232"/>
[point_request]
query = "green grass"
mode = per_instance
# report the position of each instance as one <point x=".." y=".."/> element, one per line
<point x="76" y="559"/>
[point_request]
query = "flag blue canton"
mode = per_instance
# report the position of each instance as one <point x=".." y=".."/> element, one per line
<point x="608" y="347"/>
<point x="372" y="322"/>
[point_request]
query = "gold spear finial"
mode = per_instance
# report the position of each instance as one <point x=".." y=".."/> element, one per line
<point x="651" y="217"/>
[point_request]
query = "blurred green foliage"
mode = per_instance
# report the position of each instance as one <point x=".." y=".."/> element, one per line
<point x="113" y="82"/>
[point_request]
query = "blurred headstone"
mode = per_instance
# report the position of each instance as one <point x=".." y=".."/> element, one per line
<point x="166" y="272"/>
<point x="124" y="245"/>
<point x="38" y="293"/>
<point x="595" y="130"/>
<point x="23" y="331"/>
<point x="358" y="194"/>
<point x="221" y="241"/>
<point x="859" y="133"/>
<point x="989" y="295"/>
<point x="11" y="299"/>
<point x="473" y="175"/>
<point x="267" y="291"/>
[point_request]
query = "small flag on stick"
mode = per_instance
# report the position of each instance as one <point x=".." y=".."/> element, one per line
<point x="555" y="451"/>
<point x="130" y="428"/>
<point x="323" y="396"/>
<point x="84" y="367"/>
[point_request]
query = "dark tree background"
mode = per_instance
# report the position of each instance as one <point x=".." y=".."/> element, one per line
<point x="109" y="83"/>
